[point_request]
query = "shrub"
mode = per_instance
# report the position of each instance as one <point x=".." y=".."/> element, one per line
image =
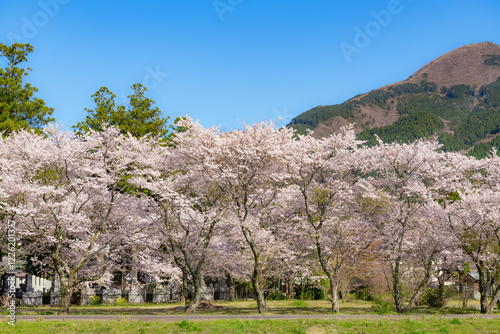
<point x="382" y="307"/>
<point x="94" y="300"/>
<point x="184" y="324"/>
<point x="435" y="297"/>
<point x="451" y="292"/>
<point x="276" y="296"/>
<point x="348" y="297"/>
<point x="314" y="294"/>
<point x="189" y="326"/>
<point x="363" y="294"/>
<point x="121" y="301"/>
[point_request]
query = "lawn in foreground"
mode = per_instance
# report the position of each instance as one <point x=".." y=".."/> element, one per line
<point x="408" y="325"/>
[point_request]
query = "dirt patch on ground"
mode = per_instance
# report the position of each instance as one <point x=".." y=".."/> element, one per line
<point x="203" y="305"/>
<point x="319" y="330"/>
<point x="315" y="330"/>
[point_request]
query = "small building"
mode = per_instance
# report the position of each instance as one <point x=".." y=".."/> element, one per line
<point x="470" y="285"/>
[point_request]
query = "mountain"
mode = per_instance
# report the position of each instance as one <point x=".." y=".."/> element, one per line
<point x="455" y="97"/>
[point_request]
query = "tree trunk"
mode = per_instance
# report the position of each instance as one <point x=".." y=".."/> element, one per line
<point x="397" y="288"/>
<point x="332" y="277"/>
<point x="334" y="295"/>
<point x="302" y="287"/>
<point x="231" y="286"/>
<point x="181" y="293"/>
<point x="66" y="293"/>
<point x="134" y="272"/>
<point x="289" y="284"/>
<point x="232" y="292"/>
<point x="484" y="298"/>
<point x="484" y="286"/>
<point x="421" y="289"/>
<point x="460" y="282"/>
<point x="494" y="300"/>
<point x="462" y="289"/>
<point x="464" y="301"/>
<point x="261" y="301"/>
<point x="195" y="296"/>
<point x="412" y="301"/>
<point x="259" y="294"/>
<point x="188" y="295"/>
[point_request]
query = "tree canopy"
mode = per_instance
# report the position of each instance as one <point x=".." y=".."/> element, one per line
<point x="140" y="118"/>
<point x="19" y="109"/>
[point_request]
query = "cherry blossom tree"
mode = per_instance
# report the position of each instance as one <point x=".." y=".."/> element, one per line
<point x="253" y="204"/>
<point x="297" y="261"/>
<point x="406" y="217"/>
<point x="474" y="220"/>
<point x="324" y="173"/>
<point x="185" y="204"/>
<point x="65" y="197"/>
<point x="251" y="164"/>
<point x="230" y="258"/>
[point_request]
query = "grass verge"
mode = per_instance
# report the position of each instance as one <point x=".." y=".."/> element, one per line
<point x="408" y="325"/>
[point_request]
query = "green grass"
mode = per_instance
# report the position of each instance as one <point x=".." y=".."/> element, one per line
<point x="299" y="303"/>
<point x="408" y="325"/>
<point x="248" y="307"/>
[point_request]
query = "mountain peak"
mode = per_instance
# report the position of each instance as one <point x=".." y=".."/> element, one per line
<point x="465" y="65"/>
<point x="455" y="97"/>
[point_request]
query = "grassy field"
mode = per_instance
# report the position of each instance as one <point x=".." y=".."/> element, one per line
<point x="250" y="307"/>
<point x="422" y="319"/>
<point x="408" y="325"/>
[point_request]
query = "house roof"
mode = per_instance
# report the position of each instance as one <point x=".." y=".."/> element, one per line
<point x="474" y="275"/>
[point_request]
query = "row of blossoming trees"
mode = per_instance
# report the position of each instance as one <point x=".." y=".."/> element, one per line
<point x="253" y="204"/>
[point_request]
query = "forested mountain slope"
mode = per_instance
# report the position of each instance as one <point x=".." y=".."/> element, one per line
<point x="455" y="97"/>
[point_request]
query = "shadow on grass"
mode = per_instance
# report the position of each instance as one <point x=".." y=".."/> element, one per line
<point x="425" y="310"/>
<point x="241" y="308"/>
<point x="228" y="310"/>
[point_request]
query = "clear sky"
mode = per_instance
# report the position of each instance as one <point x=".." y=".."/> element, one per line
<point x="228" y="61"/>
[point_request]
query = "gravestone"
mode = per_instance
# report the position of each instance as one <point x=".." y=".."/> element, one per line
<point x="86" y="294"/>
<point x="136" y="295"/>
<point x="161" y="294"/>
<point x="221" y="290"/>
<point x="30" y="296"/>
<point x="175" y="294"/>
<point x="207" y="292"/>
<point x="55" y="294"/>
<point x="29" y="283"/>
<point x="109" y="296"/>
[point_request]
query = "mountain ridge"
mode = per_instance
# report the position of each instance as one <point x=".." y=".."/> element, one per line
<point x="457" y="88"/>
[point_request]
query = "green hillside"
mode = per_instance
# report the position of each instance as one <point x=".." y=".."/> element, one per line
<point x="463" y="117"/>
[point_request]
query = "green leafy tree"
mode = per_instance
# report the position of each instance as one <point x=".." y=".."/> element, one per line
<point x="140" y="118"/>
<point x="18" y="106"/>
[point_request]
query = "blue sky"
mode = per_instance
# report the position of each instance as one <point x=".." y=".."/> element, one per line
<point x="228" y="61"/>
